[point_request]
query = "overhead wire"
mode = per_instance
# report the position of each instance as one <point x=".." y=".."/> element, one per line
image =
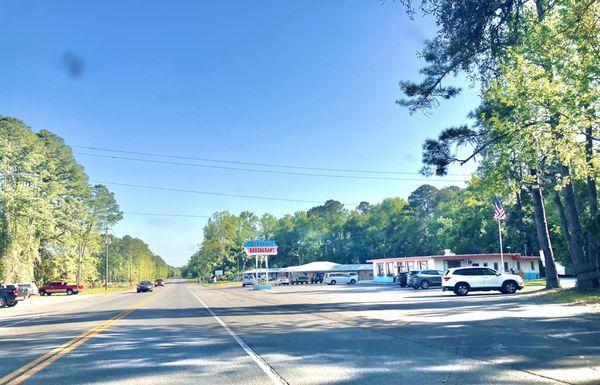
<point x="274" y="165"/>
<point x="267" y="171"/>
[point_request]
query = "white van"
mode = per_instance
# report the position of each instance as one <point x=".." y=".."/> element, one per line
<point x="335" y="278"/>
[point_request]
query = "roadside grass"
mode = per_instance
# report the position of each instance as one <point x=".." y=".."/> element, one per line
<point x="536" y="282"/>
<point x="221" y="283"/>
<point x="572" y="295"/>
<point x="101" y="290"/>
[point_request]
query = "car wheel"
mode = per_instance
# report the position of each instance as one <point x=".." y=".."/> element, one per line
<point x="461" y="288"/>
<point x="42" y="292"/>
<point x="509" y="287"/>
<point x="402" y="285"/>
<point x="424" y="285"/>
<point x="332" y="282"/>
<point x="11" y="303"/>
<point x="2" y="302"/>
<point x="69" y="292"/>
<point x="352" y="282"/>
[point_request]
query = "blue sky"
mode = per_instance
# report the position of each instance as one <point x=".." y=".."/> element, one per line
<point x="309" y="83"/>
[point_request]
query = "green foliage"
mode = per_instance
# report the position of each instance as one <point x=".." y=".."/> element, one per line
<point x="51" y="219"/>
<point x="430" y="221"/>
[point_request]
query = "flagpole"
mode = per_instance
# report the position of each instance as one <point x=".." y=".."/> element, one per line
<point x="501" y="252"/>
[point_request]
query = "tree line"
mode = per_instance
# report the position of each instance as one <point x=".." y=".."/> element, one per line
<point x="429" y="221"/>
<point x="53" y="222"/>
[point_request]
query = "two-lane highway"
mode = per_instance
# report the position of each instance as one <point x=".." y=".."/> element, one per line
<point x="127" y="338"/>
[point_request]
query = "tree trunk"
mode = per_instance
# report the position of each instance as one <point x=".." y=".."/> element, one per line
<point x="520" y="222"/>
<point x="541" y="225"/>
<point x="585" y="267"/>
<point x="563" y="221"/>
<point x="593" y="227"/>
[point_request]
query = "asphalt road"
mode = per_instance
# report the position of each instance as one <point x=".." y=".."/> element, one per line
<point x="185" y="333"/>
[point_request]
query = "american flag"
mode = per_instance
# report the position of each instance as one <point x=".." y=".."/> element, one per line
<point x="499" y="213"/>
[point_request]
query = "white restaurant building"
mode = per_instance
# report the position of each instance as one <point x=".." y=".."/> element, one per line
<point x="385" y="269"/>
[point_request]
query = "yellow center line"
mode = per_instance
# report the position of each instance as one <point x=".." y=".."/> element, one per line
<point x="30" y="369"/>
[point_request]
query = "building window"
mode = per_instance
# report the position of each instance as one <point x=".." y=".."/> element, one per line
<point x="390" y="269"/>
<point x="532" y="266"/>
<point x="496" y="265"/>
<point x="380" y="269"/>
<point x="484" y="264"/>
<point x="518" y="265"/>
<point x="505" y="266"/>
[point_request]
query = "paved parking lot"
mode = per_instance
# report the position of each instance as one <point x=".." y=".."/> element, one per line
<point x="386" y="334"/>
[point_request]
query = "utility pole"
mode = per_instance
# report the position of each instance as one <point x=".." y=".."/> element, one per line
<point x="198" y="269"/>
<point x="130" y="265"/>
<point x="106" y="260"/>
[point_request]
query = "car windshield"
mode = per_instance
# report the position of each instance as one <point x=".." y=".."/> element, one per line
<point x="304" y="173"/>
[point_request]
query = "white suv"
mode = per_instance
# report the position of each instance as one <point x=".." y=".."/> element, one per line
<point x="334" y="278"/>
<point x="461" y="280"/>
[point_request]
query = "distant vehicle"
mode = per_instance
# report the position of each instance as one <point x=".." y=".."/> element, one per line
<point x="248" y="280"/>
<point x="317" y="278"/>
<point x="299" y="279"/>
<point x="159" y="282"/>
<point x="282" y="281"/>
<point x="335" y="278"/>
<point x="402" y="278"/>
<point x="28" y="288"/>
<point x="462" y="280"/>
<point x="144" y="286"/>
<point x="8" y="295"/>
<point x="60" y="287"/>
<point x="424" y="279"/>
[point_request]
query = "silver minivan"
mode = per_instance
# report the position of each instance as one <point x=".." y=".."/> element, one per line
<point x="335" y="278"/>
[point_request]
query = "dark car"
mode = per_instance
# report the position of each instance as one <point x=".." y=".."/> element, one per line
<point x="317" y="278"/>
<point x="144" y="286"/>
<point x="8" y="295"/>
<point x="159" y="282"/>
<point x="402" y="278"/>
<point x="425" y="278"/>
<point x="298" y="279"/>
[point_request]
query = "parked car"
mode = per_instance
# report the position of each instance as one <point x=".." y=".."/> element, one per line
<point x="282" y="281"/>
<point x="144" y="286"/>
<point x="60" y="287"/>
<point x="402" y="278"/>
<point x="247" y="280"/>
<point x="317" y="278"/>
<point x="159" y="282"/>
<point x="28" y="288"/>
<point x="8" y="295"/>
<point x="424" y="279"/>
<point x="299" y="279"/>
<point x="335" y="278"/>
<point x="462" y="280"/>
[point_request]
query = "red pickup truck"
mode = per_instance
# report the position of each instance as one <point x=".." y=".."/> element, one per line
<point x="60" y="287"/>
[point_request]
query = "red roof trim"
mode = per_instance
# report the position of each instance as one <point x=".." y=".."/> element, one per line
<point x="514" y="256"/>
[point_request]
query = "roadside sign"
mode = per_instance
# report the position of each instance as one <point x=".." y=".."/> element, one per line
<point x="260" y="248"/>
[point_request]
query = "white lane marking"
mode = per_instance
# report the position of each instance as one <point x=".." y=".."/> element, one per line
<point x="269" y="371"/>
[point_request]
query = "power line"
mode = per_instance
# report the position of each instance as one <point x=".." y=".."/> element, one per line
<point x="267" y="171"/>
<point x="212" y="193"/>
<point x="254" y="163"/>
